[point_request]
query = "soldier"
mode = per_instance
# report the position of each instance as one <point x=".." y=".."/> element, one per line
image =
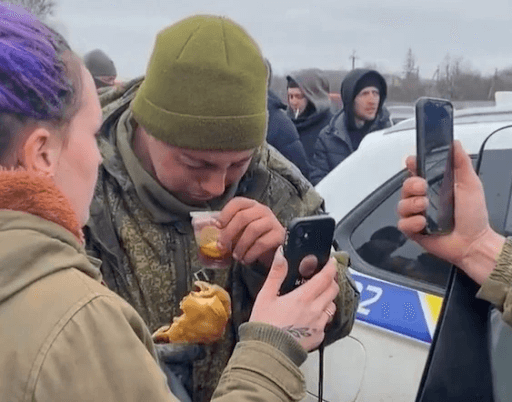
<point x="190" y="136"/>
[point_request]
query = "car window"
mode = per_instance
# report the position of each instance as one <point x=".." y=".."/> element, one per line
<point x="496" y="176"/>
<point x="379" y="243"/>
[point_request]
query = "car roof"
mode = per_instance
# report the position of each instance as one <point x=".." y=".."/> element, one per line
<point x="382" y="154"/>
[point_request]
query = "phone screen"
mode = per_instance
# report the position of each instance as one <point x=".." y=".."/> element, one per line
<point x="434" y="125"/>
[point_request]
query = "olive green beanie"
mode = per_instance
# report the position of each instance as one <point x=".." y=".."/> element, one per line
<point x="205" y="87"/>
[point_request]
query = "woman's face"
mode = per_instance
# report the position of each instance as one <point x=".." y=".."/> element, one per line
<point x="76" y="171"/>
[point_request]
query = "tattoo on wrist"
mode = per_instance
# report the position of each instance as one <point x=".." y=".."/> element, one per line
<point x="297" y="332"/>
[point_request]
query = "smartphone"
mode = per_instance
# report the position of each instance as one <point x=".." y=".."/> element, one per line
<point x="310" y="235"/>
<point x="434" y="159"/>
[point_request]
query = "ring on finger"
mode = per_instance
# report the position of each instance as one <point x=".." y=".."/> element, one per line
<point x="329" y="312"/>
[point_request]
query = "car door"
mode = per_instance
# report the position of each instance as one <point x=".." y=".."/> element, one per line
<point x="401" y="295"/>
<point x="401" y="289"/>
<point x="472" y="349"/>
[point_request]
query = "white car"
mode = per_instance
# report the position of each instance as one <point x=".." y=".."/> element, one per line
<point x="401" y="286"/>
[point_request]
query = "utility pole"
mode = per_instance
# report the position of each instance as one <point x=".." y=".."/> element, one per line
<point x="492" y="89"/>
<point x="353" y="57"/>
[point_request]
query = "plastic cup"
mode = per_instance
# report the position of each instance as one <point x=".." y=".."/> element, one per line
<point x="207" y="232"/>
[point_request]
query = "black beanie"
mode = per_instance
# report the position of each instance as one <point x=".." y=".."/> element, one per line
<point x="368" y="80"/>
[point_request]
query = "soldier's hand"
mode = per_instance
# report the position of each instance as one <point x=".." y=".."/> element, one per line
<point x="250" y="230"/>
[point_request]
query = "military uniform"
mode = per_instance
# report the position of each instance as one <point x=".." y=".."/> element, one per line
<point x="144" y="236"/>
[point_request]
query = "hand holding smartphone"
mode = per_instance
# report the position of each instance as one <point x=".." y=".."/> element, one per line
<point x="311" y="235"/>
<point x="434" y="153"/>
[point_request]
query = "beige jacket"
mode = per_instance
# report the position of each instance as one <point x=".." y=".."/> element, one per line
<point x="497" y="288"/>
<point x="66" y="337"/>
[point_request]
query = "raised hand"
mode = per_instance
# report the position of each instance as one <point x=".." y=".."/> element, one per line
<point x="472" y="233"/>
<point x="305" y="311"/>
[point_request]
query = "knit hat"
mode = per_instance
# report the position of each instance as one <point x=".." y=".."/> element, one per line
<point x="99" y="65"/>
<point x="205" y="87"/>
<point x="368" y="80"/>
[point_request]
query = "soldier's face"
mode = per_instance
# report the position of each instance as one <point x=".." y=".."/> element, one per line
<point x="196" y="176"/>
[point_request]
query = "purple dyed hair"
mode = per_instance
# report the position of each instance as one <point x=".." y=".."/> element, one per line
<point x="33" y="79"/>
<point x="39" y="79"/>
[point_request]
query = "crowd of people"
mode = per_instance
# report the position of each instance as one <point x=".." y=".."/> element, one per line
<point x="98" y="180"/>
<point x="79" y="183"/>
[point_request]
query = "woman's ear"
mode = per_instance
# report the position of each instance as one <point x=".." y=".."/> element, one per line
<point x="41" y="151"/>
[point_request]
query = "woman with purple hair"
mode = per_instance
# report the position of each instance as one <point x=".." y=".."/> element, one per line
<point x="65" y="336"/>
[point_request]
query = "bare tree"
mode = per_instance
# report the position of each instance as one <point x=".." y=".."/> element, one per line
<point x="40" y="8"/>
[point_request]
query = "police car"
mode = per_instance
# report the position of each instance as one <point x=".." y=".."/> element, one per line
<point x="401" y="286"/>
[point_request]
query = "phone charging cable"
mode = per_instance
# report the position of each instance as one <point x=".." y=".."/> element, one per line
<point x="321" y="372"/>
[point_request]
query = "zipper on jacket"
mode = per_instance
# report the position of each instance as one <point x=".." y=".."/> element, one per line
<point x="182" y="255"/>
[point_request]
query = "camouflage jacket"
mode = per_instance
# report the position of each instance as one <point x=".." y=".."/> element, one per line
<point x="153" y="265"/>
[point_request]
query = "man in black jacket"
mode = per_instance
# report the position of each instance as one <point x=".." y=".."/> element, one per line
<point x="363" y="93"/>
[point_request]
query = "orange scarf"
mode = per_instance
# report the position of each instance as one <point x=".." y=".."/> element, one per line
<point x="36" y="193"/>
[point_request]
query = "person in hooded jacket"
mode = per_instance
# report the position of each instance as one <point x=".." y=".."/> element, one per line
<point x="102" y="69"/>
<point x="282" y="134"/>
<point x="363" y="93"/>
<point x="65" y="335"/>
<point x="309" y="106"/>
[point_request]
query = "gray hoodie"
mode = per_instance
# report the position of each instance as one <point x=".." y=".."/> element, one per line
<point x="318" y="112"/>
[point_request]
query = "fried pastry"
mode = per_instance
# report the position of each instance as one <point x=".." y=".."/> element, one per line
<point x="205" y="315"/>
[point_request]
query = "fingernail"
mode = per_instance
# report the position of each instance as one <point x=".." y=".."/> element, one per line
<point x="279" y="256"/>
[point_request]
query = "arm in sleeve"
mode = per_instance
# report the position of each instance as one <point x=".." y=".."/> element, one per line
<point x="294" y="151"/>
<point x="283" y="135"/>
<point x="497" y="288"/>
<point x="263" y="367"/>
<point x="319" y="162"/>
<point x="103" y="352"/>
<point x="330" y="151"/>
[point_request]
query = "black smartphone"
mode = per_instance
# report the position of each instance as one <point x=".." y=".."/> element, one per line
<point x="310" y="235"/>
<point x="434" y="159"/>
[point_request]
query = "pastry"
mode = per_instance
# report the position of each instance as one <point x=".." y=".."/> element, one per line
<point x="205" y="314"/>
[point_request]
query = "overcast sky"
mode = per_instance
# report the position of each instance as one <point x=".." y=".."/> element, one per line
<point x="296" y="34"/>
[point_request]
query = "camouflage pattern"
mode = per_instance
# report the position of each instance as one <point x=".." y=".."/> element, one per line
<point x="153" y="265"/>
